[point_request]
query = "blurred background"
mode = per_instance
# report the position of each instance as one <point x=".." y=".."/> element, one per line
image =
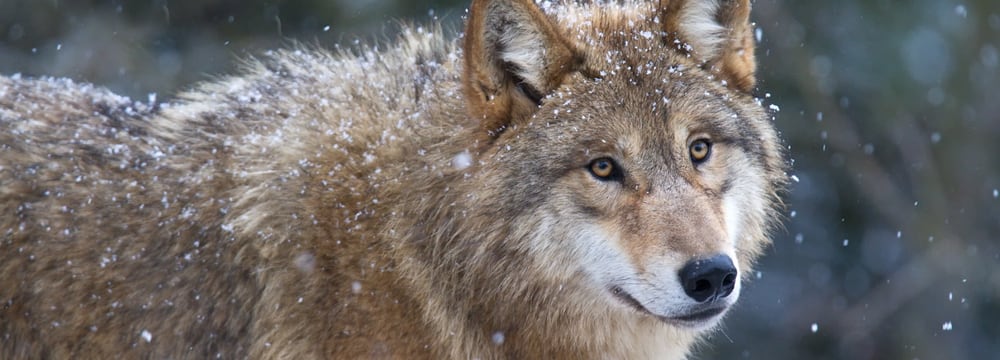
<point x="890" y="109"/>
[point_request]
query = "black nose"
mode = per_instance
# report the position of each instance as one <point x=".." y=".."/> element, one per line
<point x="709" y="279"/>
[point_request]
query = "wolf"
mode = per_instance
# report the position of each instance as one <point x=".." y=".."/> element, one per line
<point x="565" y="180"/>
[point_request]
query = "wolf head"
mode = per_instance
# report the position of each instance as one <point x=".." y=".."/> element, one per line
<point x="624" y="142"/>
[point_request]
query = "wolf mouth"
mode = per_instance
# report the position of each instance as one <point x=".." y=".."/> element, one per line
<point x="700" y="316"/>
<point x="691" y="319"/>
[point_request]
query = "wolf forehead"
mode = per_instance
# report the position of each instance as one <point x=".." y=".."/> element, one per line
<point x="630" y="67"/>
<point x="640" y="34"/>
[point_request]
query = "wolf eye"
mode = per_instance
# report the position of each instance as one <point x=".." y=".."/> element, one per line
<point x="700" y="149"/>
<point x="605" y="169"/>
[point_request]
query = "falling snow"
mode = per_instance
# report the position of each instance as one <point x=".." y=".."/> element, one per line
<point x="305" y="262"/>
<point x="498" y="337"/>
<point x="462" y="161"/>
<point x="960" y="10"/>
<point x="922" y="140"/>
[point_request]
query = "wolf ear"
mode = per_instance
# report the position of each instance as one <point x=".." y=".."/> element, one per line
<point x="514" y="57"/>
<point x="716" y="32"/>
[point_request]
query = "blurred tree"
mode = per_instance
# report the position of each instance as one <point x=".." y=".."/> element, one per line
<point x="160" y="46"/>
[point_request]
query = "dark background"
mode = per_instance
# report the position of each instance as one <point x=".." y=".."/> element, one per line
<point x="890" y="109"/>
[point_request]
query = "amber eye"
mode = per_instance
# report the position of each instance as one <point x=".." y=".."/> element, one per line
<point x="605" y="169"/>
<point x="700" y="149"/>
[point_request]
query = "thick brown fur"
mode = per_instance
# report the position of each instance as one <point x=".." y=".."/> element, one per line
<point x="419" y="202"/>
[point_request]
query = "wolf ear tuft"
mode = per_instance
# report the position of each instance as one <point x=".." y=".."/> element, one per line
<point x="514" y="57"/>
<point x="718" y="33"/>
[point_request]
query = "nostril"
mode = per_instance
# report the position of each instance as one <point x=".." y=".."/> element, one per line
<point x="730" y="279"/>
<point x="709" y="279"/>
<point x="728" y="284"/>
<point x="702" y="285"/>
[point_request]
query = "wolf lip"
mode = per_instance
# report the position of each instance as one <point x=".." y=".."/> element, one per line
<point x="699" y="316"/>
<point x="625" y="297"/>
<point x="689" y="319"/>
